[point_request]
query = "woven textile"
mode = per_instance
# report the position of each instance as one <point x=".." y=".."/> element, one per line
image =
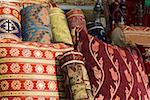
<point x="30" y="71"/>
<point x="137" y="34"/>
<point x="96" y="29"/>
<point x="145" y="51"/>
<point x="26" y="3"/>
<point x="114" y="73"/>
<point x="76" y="22"/>
<point x="77" y="79"/>
<point x="10" y="21"/>
<point x="59" y="25"/>
<point x="36" y="24"/>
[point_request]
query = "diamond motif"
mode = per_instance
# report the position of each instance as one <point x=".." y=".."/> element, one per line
<point x="26" y="53"/>
<point x="14" y="52"/>
<point x="40" y="85"/>
<point x="27" y="68"/>
<point x="51" y="69"/>
<point x="52" y="86"/>
<point x="49" y="55"/>
<point x="39" y="68"/>
<point x="38" y="54"/>
<point x="28" y="85"/>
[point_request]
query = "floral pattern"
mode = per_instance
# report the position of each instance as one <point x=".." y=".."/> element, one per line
<point x="3" y="52"/>
<point x="145" y="51"/>
<point x="28" y="84"/>
<point x="27" y="68"/>
<point x="3" y="68"/>
<point x="39" y="68"/>
<point x="115" y="73"/>
<point x="26" y="53"/>
<point x="14" y="52"/>
<point x="38" y="54"/>
<point x="40" y="85"/>
<point x="15" y="68"/>
<point x="16" y="85"/>
<point x="4" y="85"/>
<point x="23" y="75"/>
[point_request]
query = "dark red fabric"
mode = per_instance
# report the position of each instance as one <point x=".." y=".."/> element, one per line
<point x="114" y="73"/>
<point x="147" y="20"/>
<point x="145" y="51"/>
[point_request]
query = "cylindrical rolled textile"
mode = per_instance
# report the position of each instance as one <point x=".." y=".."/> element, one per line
<point x="28" y="70"/>
<point x="59" y="26"/>
<point x="78" y="80"/>
<point x="10" y="20"/>
<point x="96" y="29"/>
<point x="36" y="24"/>
<point x="76" y="19"/>
<point x="77" y="24"/>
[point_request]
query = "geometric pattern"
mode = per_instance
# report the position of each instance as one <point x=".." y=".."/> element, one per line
<point x="7" y="26"/>
<point x="10" y="20"/>
<point x="28" y="73"/>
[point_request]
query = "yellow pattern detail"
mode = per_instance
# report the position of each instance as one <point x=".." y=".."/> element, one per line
<point x="27" y="76"/>
<point x="28" y="93"/>
<point x="27" y="60"/>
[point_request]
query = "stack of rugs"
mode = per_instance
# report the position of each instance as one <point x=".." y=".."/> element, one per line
<point x="46" y="54"/>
